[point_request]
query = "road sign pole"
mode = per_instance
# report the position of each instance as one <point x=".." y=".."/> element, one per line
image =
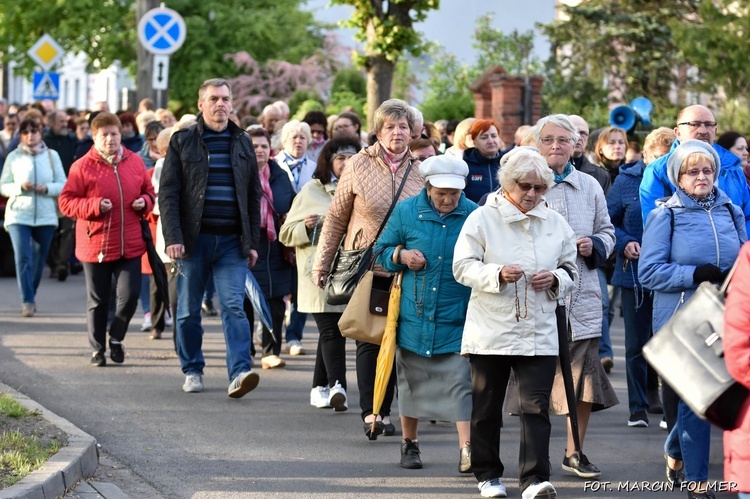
<point x="145" y="58"/>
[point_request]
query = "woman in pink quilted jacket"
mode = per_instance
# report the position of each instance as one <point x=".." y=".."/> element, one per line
<point x="737" y="356"/>
<point x="364" y="194"/>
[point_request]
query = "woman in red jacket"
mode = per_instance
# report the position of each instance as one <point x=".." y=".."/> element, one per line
<point x="737" y="356"/>
<point x="108" y="191"/>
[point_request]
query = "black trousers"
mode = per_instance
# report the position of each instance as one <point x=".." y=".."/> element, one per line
<point x="127" y="278"/>
<point x="367" y="359"/>
<point x="61" y="247"/>
<point x="271" y="341"/>
<point x="489" y="382"/>
<point x="330" y="359"/>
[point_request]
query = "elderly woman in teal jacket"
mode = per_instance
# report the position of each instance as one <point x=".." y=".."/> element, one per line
<point x="434" y="381"/>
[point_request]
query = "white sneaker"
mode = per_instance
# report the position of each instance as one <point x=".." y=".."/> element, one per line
<point x="168" y="320"/>
<point x="492" y="488"/>
<point x="295" y="348"/>
<point x="243" y="384"/>
<point x="319" y="397"/>
<point x="539" y="490"/>
<point x="663" y="423"/>
<point x="146" y="322"/>
<point x="337" y="398"/>
<point x="193" y="383"/>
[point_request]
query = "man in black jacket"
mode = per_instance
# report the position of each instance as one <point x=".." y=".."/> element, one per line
<point x="59" y="138"/>
<point x="209" y="198"/>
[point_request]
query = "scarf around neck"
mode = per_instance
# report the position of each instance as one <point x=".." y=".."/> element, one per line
<point x="392" y="159"/>
<point x="113" y="159"/>
<point x="37" y="149"/>
<point x="266" y="204"/>
<point x="513" y="202"/>
<point x="559" y="177"/>
<point x="707" y="202"/>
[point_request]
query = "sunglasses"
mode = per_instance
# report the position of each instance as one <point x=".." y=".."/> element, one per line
<point x="525" y="187"/>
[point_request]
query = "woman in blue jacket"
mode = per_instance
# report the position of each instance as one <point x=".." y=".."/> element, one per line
<point x="624" y="206"/>
<point x="483" y="159"/>
<point x="434" y="382"/>
<point x="693" y="237"/>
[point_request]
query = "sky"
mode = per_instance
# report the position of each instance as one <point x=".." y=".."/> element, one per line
<point x="453" y="24"/>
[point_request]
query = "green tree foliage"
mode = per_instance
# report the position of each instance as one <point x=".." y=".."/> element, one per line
<point x="627" y="45"/>
<point x="717" y="43"/>
<point x="387" y="30"/>
<point x="448" y="95"/>
<point x="514" y="52"/>
<point x="350" y="79"/>
<point x="404" y="80"/>
<point x="303" y="96"/>
<point x="104" y="33"/>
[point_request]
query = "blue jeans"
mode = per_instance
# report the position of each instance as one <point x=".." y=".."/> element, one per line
<point x="605" y="344"/>
<point x="221" y="255"/>
<point x="30" y="248"/>
<point x="637" y="333"/>
<point x="744" y="495"/>
<point x="296" y="319"/>
<point x="145" y="293"/>
<point x="690" y="441"/>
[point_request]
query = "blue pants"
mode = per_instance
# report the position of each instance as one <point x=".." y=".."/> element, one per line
<point x="605" y="344"/>
<point x="221" y="255"/>
<point x="30" y="248"/>
<point x="690" y="441"/>
<point x="637" y="333"/>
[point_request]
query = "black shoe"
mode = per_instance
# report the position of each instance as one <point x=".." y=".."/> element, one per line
<point x="389" y="429"/>
<point x="700" y="495"/>
<point x="116" y="353"/>
<point x="638" y="419"/>
<point x="76" y="269"/>
<point x="675" y="477"/>
<point x="208" y="308"/>
<point x="62" y="273"/>
<point x="373" y="435"/>
<point x="98" y="360"/>
<point x="410" y="455"/>
<point x="579" y="464"/>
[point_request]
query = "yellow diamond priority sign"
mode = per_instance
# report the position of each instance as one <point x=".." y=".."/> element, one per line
<point x="46" y="52"/>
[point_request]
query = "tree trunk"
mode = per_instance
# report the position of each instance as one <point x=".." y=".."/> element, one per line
<point x="144" y="77"/>
<point x="379" y="83"/>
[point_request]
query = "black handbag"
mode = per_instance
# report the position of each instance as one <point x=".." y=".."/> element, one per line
<point x="688" y="354"/>
<point x="349" y="266"/>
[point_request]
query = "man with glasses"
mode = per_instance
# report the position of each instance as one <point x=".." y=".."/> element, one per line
<point x="696" y="122"/>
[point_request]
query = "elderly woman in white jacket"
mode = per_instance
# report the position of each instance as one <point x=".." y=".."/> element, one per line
<point x="518" y="258"/>
<point x="32" y="178"/>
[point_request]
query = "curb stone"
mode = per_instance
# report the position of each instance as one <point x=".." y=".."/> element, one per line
<point x="72" y="463"/>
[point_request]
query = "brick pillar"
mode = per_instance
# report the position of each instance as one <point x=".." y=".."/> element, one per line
<point x="499" y="96"/>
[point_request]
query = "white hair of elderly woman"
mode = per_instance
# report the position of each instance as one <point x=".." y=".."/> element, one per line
<point x="560" y="120"/>
<point x="520" y="161"/>
<point x="292" y="127"/>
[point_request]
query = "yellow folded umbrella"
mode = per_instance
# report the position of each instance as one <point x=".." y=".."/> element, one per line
<point x="387" y="352"/>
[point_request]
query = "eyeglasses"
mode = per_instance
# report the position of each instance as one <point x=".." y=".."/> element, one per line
<point x="525" y="187"/>
<point x="697" y="124"/>
<point x="563" y="141"/>
<point x="694" y="173"/>
<point x="317" y="132"/>
<point x="29" y="131"/>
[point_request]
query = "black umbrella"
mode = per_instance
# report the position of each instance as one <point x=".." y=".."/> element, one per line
<point x="563" y="327"/>
<point x="157" y="266"/>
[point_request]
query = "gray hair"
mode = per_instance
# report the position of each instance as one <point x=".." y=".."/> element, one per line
<point x="213" y="82"/>
<point x="393" y="109"/>
<point x="417" y="115"/>
<point x="560" y="120"/>
<point x="520" y="161"/>
<point x="292" y="127"/>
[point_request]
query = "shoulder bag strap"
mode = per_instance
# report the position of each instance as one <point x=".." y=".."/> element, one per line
<point x="393" y="204"/>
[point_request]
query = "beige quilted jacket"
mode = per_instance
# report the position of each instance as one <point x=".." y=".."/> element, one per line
<point x="363" y="196"/>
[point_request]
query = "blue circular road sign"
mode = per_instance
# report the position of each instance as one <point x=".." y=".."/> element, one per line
<point x="161" y="31"/>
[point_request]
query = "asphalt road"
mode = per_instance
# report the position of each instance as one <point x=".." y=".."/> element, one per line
<point x="272" y="442"/>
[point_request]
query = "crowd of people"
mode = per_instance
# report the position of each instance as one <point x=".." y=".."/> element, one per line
<point x="503" y="250"/>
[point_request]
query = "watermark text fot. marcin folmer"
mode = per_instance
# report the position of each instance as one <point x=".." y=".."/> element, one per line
<point x="645" y="486"/>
